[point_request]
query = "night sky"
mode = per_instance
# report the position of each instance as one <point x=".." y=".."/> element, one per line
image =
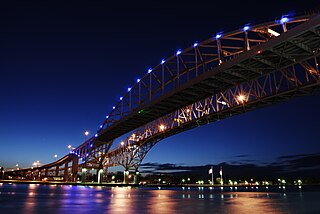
<point x="64" y="65"/>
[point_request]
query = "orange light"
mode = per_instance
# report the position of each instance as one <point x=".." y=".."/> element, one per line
<point x="241" y="98"/>
<point x="162" y="127"/>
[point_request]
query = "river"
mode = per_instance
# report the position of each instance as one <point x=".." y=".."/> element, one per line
<point x="47" y="199"/>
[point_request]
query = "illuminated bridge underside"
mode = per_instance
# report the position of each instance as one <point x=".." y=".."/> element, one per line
<point x="275" y="87"/>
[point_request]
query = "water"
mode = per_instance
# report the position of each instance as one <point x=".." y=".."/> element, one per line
<point x="35" y="198"/>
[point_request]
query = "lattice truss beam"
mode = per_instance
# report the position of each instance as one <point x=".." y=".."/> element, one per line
<point x="190" y="63"/>
<point x="274" y="87"/>
<point x="157" y="92"/>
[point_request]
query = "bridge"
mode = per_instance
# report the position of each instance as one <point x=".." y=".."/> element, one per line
<point x="228" y="74"/>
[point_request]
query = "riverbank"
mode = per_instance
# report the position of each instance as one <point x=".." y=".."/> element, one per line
<point x="144" y="185"/>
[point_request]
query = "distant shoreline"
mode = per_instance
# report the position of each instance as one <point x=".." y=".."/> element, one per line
<point x="147" y="185"/>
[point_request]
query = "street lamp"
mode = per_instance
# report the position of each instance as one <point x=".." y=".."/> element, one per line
<point x="86" y="133"/>
<point x="55" y="157"/>
<point x="17" y="165"/>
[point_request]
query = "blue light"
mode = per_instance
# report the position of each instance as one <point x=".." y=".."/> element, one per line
<point x="107" y="116"/>
<point x="163" y="61"/>
<point x="178" y="52"/>
<point x="149" y="70"/>
<point x="245" y="28"/>
<point x="195" y="44"/>
<point x="121" y="98"/>
<point x="218" y="36"/>
<point x="284" y="19"/>
<point x="101" y="126"/>
<point x="138" y="80"/>
<point x="129" y="89"/>
<point x="113" y="107"/>
<point x="91" y="145"/>
<point x="96" y="135"/>
<point x="87" y="154"/>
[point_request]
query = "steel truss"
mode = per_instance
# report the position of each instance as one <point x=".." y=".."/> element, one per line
<point x="274" y="87"/>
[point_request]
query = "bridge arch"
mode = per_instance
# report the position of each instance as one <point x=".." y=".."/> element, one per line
<point x="227" y="74"/>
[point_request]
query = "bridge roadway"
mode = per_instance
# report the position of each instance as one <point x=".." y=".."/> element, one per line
<point x="204" y="75"/>
<point x="298" y="43"/>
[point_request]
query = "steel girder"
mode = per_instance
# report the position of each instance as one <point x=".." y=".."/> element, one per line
<point x="274" y="87"/>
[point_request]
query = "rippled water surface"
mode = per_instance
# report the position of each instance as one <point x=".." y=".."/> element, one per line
<point x="35" y="198"/>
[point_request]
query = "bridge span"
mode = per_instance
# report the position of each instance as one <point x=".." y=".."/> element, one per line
<point x="228" y="74"/>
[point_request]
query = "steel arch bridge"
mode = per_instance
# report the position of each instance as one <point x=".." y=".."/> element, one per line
<point x="226" y="75"/>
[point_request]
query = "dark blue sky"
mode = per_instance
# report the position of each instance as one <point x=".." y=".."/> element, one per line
<point x="64" y="65"/>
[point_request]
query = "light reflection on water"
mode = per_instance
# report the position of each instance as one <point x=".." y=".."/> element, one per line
<point x="33" y="198"/>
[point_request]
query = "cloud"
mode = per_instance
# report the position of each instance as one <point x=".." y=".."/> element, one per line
<point x="240" y="156"/>
<point x="300" y="165"/>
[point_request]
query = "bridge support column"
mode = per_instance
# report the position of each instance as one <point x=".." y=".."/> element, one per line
<point x="66" y="173"/>
<point x="57" y="171"/>
<point x="75" y="165"/>
<point x="83" y="175"/>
